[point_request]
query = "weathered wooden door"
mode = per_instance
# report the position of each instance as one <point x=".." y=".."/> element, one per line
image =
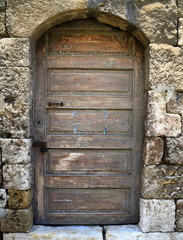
<point x="88" y="111"/>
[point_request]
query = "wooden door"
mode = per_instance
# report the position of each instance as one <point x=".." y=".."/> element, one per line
<point x="89" y="112"/>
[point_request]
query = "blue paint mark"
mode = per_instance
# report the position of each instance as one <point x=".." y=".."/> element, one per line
<point x="105" y="116"/>
<point x="75" y="128"/>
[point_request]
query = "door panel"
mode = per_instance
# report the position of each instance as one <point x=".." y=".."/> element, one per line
<point x="89" y="111"/>
<point x="87" y="200"/>
<point x="59" y="161"/>
<point x="89" y="81"/>
<point x="90" y="122"/>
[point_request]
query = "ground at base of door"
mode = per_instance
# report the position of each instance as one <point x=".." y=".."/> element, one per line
<point x="123" y="232"/>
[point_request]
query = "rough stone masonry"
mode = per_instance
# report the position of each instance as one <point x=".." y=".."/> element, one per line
<point x="158" y="25"/>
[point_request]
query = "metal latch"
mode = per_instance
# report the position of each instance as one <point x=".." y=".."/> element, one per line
<point x="41" y="145"/>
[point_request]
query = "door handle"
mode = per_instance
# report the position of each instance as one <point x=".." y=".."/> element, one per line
<point x="41" y="145"/>
<point x="60" y="104"/>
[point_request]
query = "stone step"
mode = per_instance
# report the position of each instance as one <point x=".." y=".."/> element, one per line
<point x="123" y="232"/>
<point x="133" y="232"/>
<point x="58" y="233"/>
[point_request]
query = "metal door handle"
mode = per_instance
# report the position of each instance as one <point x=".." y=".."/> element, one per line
<point x="61" y="104"/>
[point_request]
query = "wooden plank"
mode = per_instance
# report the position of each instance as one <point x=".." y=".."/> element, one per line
<point x="87" y="200"/>
<point x="59" y="161"/>
<point x="89" y="81"/>
<point x="89" y="121"/>
<point x="89" y="181"/>
<point x="89" y="62"/>
<point x="56" y="218"/>
<point x="90" y="141"/>
<point x="86" y="43"/>
<point x="94" y="102"/>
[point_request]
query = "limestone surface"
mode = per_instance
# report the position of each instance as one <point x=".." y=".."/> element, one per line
<point x="19" y="199"/>
<point x="16" y="95"/>
<point x="1" y="178"/>
<point x="176" y="104"/>
<point x="153" y="150"/>
<point x="15" y="52"/>
<point x="157" y="215"/>
<point x="174" y="151"/>
<point x="17" y="176"/>
<point x="162" y="181"/>
<point x="27" y="17"/>
<point x="15" y="82"/>
<point x="3" y="198"/>
<point x="164" y="66"/>
<point x="3" y="213"/>
<point x="133" y="232"/>
<point x="58" y="233"/>
<point x="17" y="221"/>
<point x="2" y="5"/>
<point x="180" y="8"/>
<point x="16" y="151"/>
<point x="2" y="24"/>
<point x="158" y="122"/>
<point x="153" y="18"/>
<point x="31" y="18"/>
<point x="179" y="216"/>
<point x="180" y="40"/>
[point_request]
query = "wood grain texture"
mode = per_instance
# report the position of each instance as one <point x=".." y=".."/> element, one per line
<point x="87" y="200"/>
<point x="105" y="122"/>
<point x="89" y="81"/>
<point x="91" y="172"/>
<point x="61" y="161"/>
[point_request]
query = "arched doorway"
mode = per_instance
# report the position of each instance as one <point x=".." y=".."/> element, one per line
<point x="88" y="126"/>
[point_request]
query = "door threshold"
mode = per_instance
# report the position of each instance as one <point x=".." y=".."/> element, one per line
<point x="111" y="232"/>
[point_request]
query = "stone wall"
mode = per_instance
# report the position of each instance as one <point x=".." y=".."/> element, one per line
<point x="158" y="25"/>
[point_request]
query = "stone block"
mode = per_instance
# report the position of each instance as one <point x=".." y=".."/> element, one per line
<point x="15" y="52"/>
<point x="133" y="232"/>
<point x="153" y="150"/>
<point x="1" y="178"/>
<point x="180" y="8"/>
<point x="180" y="32"/>
<point x="3" y="213"/>
<point x="16" y="97"/>
<point x="2" y="5"/>
<point x="58" y="233"/>
<point x="158" y="122"/>
<point x="3" y="198"/>
<point x="157" y="215"/>
<point x="175" y="105"/>
<point x="19" y="199"/>
<point x="179" y="215"/>
<point x="17" y="176"/>
<point x="28" y="18"/>
<point x="153" y="18"/>
<point x="17" y="221"/>
<point x="15" y="82"/>
<point x="2" y="24"/>
<point x="164" y="66"/>
<point x="16" y="151"/>
<point x="162" y="181"/>
<point x="174" y="151"/>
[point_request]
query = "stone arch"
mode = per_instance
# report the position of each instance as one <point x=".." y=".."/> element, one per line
<point x="38" y="22"/>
